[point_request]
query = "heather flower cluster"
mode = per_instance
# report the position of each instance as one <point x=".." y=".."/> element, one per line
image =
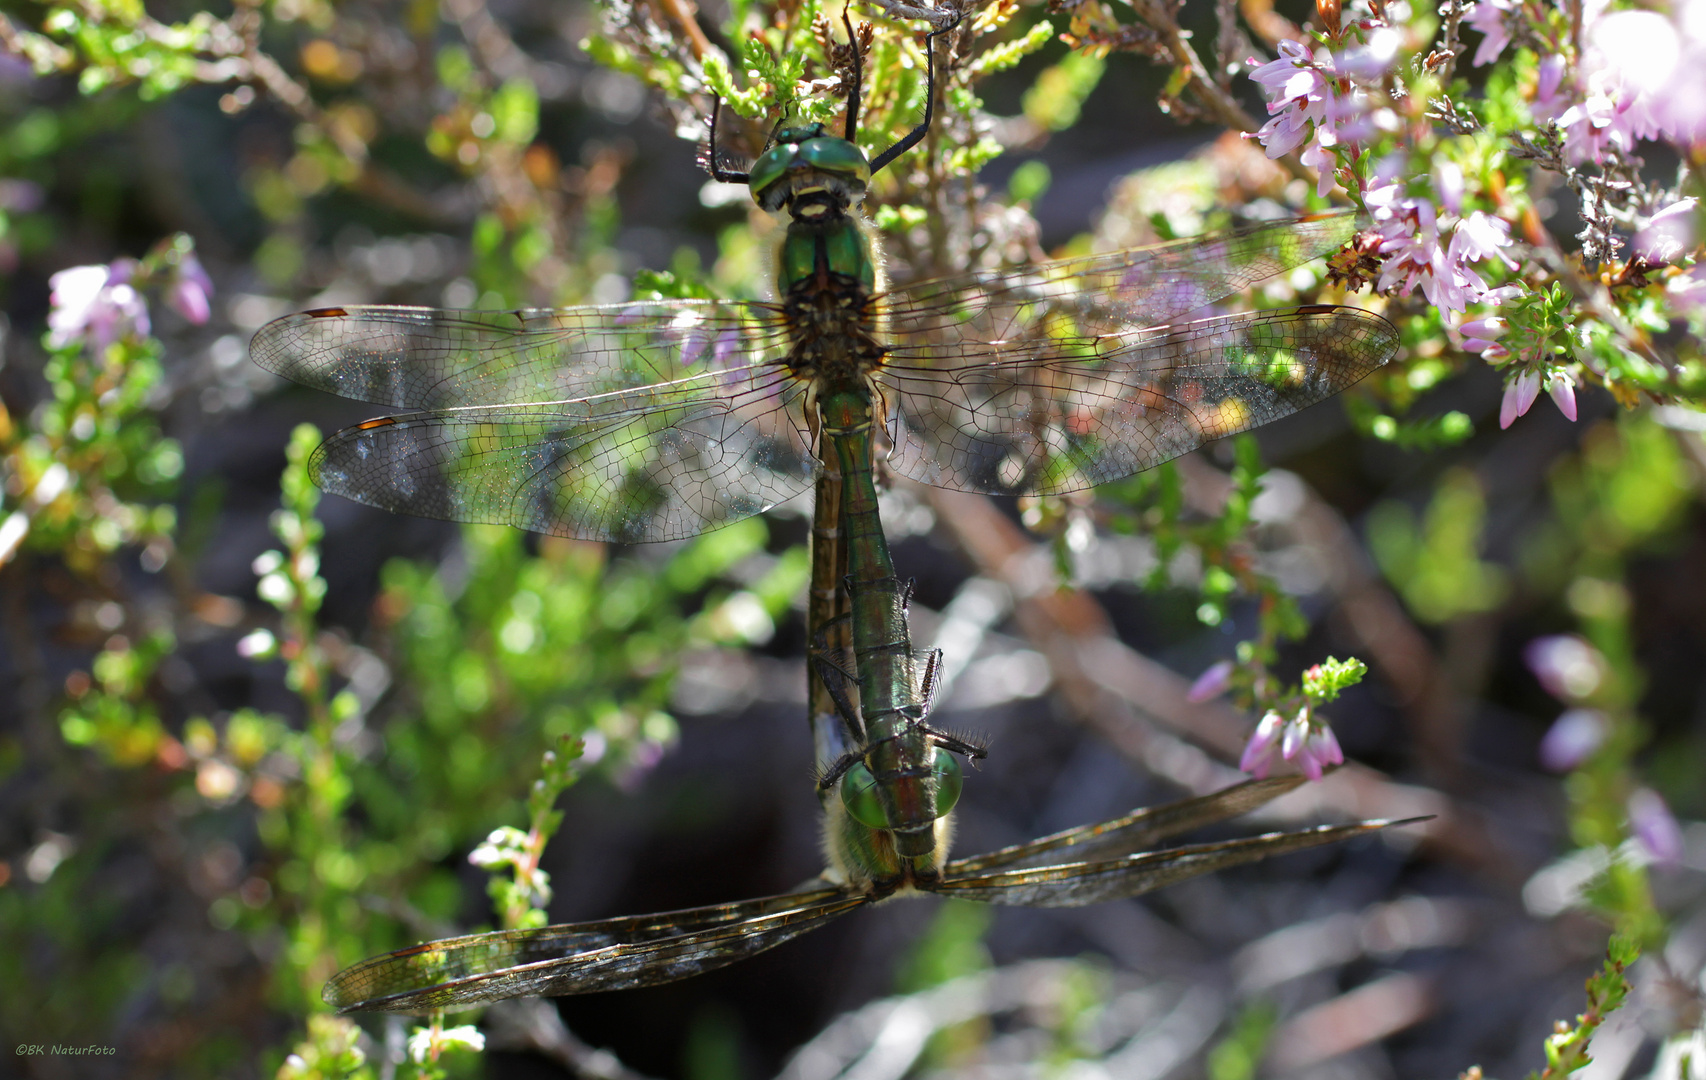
<point x="1315" y="98"/>
<point x="1301" y="738"/>
<point x="1639" y="75"/>
<point x="105" y="303"/>
<point x="1424" y="242"/>
<point x="1434" y="252"/>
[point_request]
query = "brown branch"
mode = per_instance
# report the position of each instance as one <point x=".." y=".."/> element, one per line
<point x="1218" y="104"/>
<point x="685" y="15"/>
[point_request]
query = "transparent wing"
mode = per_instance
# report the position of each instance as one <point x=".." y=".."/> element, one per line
<point x="1080" y="883"/>
<point x="658" y="463"/>
<point x="1138" y="829"/>
<point x="645" y="421"/>
<point x="1114" y="290"/>
<point x="578" y="958"/>
<point x="1060" y="411"/>
<point x="1064" y="375"/>
<point x="424" y="358"/>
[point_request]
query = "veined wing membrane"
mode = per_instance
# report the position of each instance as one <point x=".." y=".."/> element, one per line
<point x="424" y="358"/>
<point x="1112" y="291"/>
<point x="1139" y="829"/>
<point x="652" y="463"/>
<point x="1057" y="408"/>
<point x="577" y="958"/>
<point x="1082" y="883"/>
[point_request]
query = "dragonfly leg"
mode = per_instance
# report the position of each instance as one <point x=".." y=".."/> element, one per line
<point x="718" y="173"/>
<point x="851" y="131"/>
<point x="958" y="744"/>
<point x="911" y="138"/>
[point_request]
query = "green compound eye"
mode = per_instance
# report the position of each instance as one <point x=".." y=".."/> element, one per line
<point x="859" y="790"/>
<point x="769" y="169"/>
<point x="838" y="157"/>
<point x="949" y="780"/>
<point x="859" y="796"/>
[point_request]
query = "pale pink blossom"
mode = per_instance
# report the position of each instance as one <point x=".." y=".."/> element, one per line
<point x="1641" y="75"/>
<point x="190" y="290"/>
<point x="1550" y="78"/>
<point x="1448" y="184"/>
<point x="1298" y="90"/>
<point x="1687" y="291"/>
<point x="1520" y="395"/>
<point x="1211" y="683"/>
<point x="1654" y="827"/>
<point x="1568" y="667"/>
<point x="1304" y="738"/>
<point x="1313" y="100"/>
<point x="95" y="301"/>
<point x="1264" y="743"/>
<point x="1575" y="735"/>
<point x="1667" y="233"/>
<point x="1483" y="332"/>
<point x="1320" y="157"/>
<point x="1482" y="236"/>
<point x="1562" y="389"/>
<point x="1371" y="61"/>
<point x="1489" y="18"/>
<point x="1416" y="256"/>
<point x="1320" y="750"/>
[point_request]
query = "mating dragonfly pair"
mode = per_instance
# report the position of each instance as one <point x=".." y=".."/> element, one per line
<point x="655" y="420"/>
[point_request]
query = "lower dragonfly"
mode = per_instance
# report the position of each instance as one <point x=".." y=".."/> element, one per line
<point x="1086" y="865"/>
<point x="870" y="859"/>
<point x="655" y="420"/>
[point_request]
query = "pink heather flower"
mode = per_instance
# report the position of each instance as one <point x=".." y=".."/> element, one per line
<point x="1563" y="391"/>
<point x="1299" y="95"/>
<point x="1482" y="333"/>
<point x="1688" y="290"/>
<point x="1654" y="827"/>
<point x="190" y="291"/>
<point x="1410" y="239"/>
<point x="1489" y="18"/>
<point x="1481" y="236"/>
<point x="1304" y="738"/>
<point x="1576" y="734"/>
<point x="96" y="301"/>
<point x="1320" y="158"/>
<point x="1259" y="752"/>
<point x="1320" y="749"/>
<point x="1640" y="76"/>
<point x="1551" y="77"/>
<point x="1211" y="683"/>
<point x="1448" y="182"/>
<point x="1664" y="235"/>
<point x="1569" y="668"/>
<point x="1520" y="395"/>
<point x="1370" y="62"/>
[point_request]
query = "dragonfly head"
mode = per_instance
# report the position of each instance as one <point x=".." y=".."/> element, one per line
<point x="866" y="803"/>
<point x="807" y="161"/>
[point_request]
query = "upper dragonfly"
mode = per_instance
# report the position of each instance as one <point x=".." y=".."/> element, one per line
<point x="654" y="420"/>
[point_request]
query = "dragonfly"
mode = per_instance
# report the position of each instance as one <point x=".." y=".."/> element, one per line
<point x="1085" y="865"/>
<point x="659" y="419"/>
<point x="868" y="858"/>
